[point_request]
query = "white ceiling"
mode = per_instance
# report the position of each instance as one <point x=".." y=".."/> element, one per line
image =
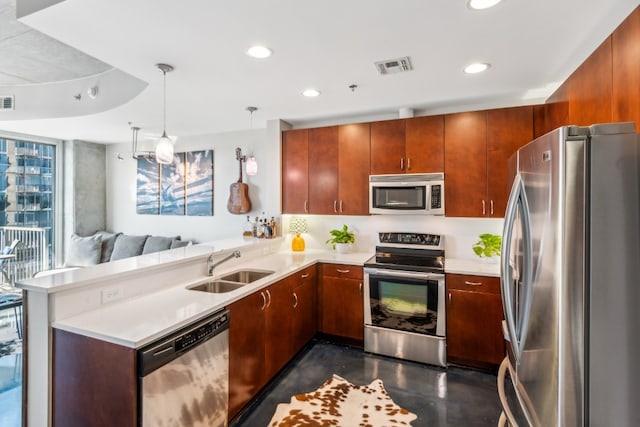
<point x="330" y="44"/>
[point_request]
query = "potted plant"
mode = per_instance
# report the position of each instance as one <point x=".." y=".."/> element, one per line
<point x="341" y="239"/>
<point x="488" y="247"/>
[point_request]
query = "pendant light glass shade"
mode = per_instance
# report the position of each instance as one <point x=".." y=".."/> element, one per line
<point x="164" y="145"/>
<point x="252" y="166"/>
<point x="164" y="150"/>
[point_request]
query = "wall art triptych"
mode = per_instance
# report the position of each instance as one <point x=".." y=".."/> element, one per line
<point x="184" y="187"/>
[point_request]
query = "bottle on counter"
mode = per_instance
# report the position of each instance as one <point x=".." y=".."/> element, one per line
<point x="247" y="229"/>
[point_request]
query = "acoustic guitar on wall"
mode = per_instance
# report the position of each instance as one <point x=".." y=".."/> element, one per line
<point x="239" y="202"/>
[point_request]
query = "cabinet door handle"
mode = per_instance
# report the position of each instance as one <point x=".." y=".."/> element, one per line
<point x="449" y="297"/>
<point x="335" y="206"/>
<point x="484" y="210"/>
<point x="306" y="206"/>
<point x="304" y="276"/>
<point x="466" y="282"/>
<point x="491" y="206"/>
<point x="340" y="206"/>
<point x="264" y="301"/>
<point x="269" y="295"/>
<point x="295" y="300"/>
<point x="401" y="163"/>
<point x="408" y="163"/>
<point x="360" y="288"/>
<point x="341" y="271"/>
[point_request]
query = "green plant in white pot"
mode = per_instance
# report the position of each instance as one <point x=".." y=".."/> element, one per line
<point x="488" y="247"/>
<point x="342" y="239"/>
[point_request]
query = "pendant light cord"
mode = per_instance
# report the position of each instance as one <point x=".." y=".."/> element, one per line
<point x="164" y="103"/>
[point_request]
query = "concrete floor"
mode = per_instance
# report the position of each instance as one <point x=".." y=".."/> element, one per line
<point x="439" y="397"/>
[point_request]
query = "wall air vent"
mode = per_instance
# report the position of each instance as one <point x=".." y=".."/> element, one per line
<point x="6" y="103"/>
<point x="392" y="66"/>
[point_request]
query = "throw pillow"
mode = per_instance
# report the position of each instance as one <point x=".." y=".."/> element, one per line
<point x="177" y="243"/>
<point x="108" y="240"/>
<point x="127" y="246"/>
<point x="157" y="243"/>
<point x="83" y="251"/>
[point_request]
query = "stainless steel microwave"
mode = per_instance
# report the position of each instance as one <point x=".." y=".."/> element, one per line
<point x="416" y="194"/>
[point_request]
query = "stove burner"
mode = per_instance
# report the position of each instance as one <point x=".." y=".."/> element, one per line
<point x="409" y="252"/>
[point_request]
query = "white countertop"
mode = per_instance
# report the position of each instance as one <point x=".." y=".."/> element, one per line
<point x="475" y="267"/>
<point x="138" y="321"/>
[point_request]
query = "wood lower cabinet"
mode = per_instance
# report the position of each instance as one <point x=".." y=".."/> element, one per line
<point x="267" y="329"/>
<point x="474" y="321"/>
<point x="341" y="302"/>
<point x="94" y="382"/>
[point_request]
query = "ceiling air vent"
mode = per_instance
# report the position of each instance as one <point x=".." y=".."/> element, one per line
<point x="6" y="103"/>
<point x="392" y="66"/>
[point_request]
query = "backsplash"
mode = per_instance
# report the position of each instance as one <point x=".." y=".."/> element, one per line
<point x="460" y="233"/>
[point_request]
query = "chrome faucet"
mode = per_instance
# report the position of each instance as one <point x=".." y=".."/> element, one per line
<point x="211" y="265"/>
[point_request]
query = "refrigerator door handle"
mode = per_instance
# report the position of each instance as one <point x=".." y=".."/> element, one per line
<point x="507" y="415"/>
<point x="517" y="199"/>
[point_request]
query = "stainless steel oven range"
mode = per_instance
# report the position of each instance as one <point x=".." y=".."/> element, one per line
<point x="404" y="298"/>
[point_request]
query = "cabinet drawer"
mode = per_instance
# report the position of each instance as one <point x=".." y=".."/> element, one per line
<point x="473" y="283"/>
<point x="342" y="270"/>
<point x="308" y="274"/>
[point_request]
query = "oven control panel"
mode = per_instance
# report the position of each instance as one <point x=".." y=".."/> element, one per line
<point x="410" y="239"/>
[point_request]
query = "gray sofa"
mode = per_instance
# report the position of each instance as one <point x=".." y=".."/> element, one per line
<point x="104" y="246"/>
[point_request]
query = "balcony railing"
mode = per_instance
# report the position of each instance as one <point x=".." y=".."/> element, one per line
<point x="31" y="253"/>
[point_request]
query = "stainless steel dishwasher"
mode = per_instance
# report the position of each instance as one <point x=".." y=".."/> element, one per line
<point x="184" y="377"/>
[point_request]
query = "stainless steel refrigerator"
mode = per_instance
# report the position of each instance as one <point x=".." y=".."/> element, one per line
<point x="570" y="278"/>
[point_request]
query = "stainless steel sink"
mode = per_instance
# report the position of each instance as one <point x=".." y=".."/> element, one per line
<point x="246" y="276"/>
<point x="217" y="287"/>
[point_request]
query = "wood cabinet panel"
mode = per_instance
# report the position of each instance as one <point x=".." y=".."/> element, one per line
<point x="278" y="343"/>
<point x="246" y="359"/>
<point x="472" y="283"/>
<point x="474" y="335"/>
<point x="556" y="112"/>
<point x="341" y="306"/>
<point x="625" y="51"/>
<point x="94" y="382"/>
<point x="590" y="88"/>
<point x="465" y="164"/>
<point x="387" y="147"/>
<point x="424" y="144"/>
<point x="323" y="170"/>
<point x="353" y="169"/>
<point x="295" y="171"/>
<point x="539" y="124"/>
<point x="507" y="130"/>
<point x="304" y="322"/>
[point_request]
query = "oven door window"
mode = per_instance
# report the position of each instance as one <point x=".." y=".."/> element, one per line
<point x="400" y="198"/>
<point x="404" y="304"/>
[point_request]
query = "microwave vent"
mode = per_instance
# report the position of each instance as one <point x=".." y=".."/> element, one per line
<point x="6" y="103"/>
<point x="393" y="66"/>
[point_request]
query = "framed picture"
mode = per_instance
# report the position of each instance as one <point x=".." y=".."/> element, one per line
<point x="172" y="186"/>
<point x="147" y="187"/>
<point x="200" y="183"/>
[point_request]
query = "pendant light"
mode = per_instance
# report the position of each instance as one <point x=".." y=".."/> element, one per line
<point x="164" y="146"/>
<point x="251" y="163"/>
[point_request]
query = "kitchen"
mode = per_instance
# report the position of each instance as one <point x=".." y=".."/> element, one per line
<point x="460" y="246"/>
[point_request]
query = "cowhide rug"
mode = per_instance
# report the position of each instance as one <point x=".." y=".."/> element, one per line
<point x="339" y="403"/>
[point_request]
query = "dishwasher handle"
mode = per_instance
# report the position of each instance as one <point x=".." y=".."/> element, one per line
<point x="167" y="348"/>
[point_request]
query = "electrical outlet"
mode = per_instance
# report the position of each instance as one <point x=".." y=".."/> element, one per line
<point x="112" y="294"/>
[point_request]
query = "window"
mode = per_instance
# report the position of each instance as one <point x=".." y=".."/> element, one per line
<point x="27" y="202"/>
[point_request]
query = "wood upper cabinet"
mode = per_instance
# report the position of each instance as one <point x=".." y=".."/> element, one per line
<point x="507" y="130"/>
<point x="387" y="147"/>
<point x="625" y="56"/>
<point x="353" y="169"/>
<point x="333" y="175"/>
<point x="424" y="144"/>
<point x="323" y="170"/>
<point x="414" y="145"/>
<point x="474" y="321"/>
<point x="295" y="171"/>
<point x="478" y="146"/>
<point x="341" y="301"/>
<point x="465" y="167"/>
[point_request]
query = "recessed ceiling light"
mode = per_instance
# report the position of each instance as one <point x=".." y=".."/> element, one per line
<point x="481" y="4"/>
<point x="477" y="67"/>
<point x="311" y="93"/>
<point x="259" y="52"/>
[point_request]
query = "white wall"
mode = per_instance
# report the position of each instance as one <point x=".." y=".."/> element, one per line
<point x="264" y="188"/>
<point x="460" y="233"/>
